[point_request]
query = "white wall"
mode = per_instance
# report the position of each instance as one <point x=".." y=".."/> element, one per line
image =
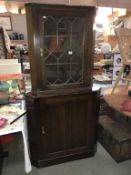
<point x="18" y="24"/>
<point x="115" y="3"/>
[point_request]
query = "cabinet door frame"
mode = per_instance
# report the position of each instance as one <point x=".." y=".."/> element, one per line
<point x="34" y="14"/>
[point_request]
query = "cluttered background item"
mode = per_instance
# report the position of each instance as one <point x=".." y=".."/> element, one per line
<point x="11" y="82"/>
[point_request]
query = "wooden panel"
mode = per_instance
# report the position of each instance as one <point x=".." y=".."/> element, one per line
<point x="54" y="126"/>
<point x="77" y="113"/>
<point x="112" y="40"/>
<point x="93" y="113"/>
<point x="116" y="3"/>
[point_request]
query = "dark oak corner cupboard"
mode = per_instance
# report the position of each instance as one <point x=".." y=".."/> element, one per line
<point x="62" y="108"/>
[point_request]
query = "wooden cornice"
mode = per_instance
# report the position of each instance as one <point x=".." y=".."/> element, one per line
<point x="104" y="3"/>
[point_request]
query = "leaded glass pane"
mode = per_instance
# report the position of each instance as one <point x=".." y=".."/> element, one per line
<point x="76" y="72"/>
<point x="50" y="25"/>
<point x="64" y="72"/>
<point x="51" y="71"/>
<point x="63" y="49"/>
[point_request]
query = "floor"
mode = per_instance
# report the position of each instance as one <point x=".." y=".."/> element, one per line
<point x="100" y="164"/>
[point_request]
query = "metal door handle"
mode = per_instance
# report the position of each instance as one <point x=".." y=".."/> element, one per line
<point x="43" y="130"/>
<point x="41" y="52"/>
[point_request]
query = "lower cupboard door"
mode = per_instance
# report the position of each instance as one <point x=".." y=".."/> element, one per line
<point x="54" y="130"/>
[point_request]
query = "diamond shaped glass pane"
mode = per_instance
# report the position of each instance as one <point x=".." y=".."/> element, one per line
<point x="64" y="72"/>
<point x="78" y="27"/>
<point x="50" y="59"/>
<point x="64" y="58"/>
<point x="51" y="73"/>
<point x="76" y="72"/>
<point x="77" y="57"/>
<point x="64" y="27"/>
<point x="50" y="25"/>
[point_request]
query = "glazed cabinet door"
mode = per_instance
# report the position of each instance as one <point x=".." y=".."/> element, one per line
<point x="61" y="46"/>
<point x="63" y="49"/>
